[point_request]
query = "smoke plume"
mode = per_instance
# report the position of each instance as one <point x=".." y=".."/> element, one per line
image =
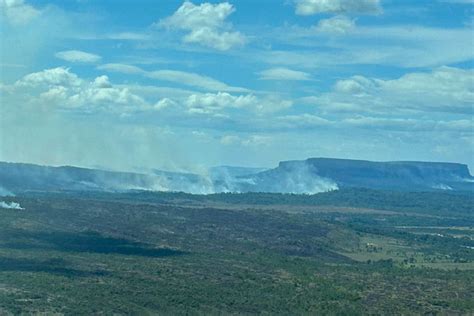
<point x="11" y="205"/>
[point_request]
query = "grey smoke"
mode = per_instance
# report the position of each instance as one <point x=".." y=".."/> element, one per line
<point x="11" y="205"/>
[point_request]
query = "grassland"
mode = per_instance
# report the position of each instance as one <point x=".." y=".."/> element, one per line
<point x="151" y="253"/>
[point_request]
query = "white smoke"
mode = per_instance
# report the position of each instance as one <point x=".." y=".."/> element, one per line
<point x="206" y="181"/>
<point x="442" y="186"/>
<point x="11" y="205"/>
<point x="298" y="178"/>
<point x="302" y="180"/>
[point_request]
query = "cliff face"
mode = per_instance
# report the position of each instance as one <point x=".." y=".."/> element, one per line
<point x="400" y="175"/>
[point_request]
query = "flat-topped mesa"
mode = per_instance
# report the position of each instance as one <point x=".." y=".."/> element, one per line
<point x="392" y="174"/>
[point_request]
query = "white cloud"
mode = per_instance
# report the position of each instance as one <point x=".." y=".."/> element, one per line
<point x="303" y="121"/>
<point x="164" y="103"/>
<point x="310" y="7"/>
<point x="17" y="12"/>
<point x="339" y="24"/>
<point x="281" y="73"/>
<point x="206" y="25"/>
<point x="50" y="77"/>
<point x="94" y="97"/>
<point x="76" y="56"/>
<point x="356" y="85"/>
<point x="175" y="76"/>
<point x="61" y="88"/>
<point x="192" y="79"/>
<point x="210" y="103"/>
<point x="445" y="89"/>
<point x="102" y="82"/>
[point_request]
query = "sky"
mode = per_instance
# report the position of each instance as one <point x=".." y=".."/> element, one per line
<point x="187" y="85"/>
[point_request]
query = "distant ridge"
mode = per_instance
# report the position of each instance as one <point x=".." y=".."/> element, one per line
<point x="308" y="176"/>
<point x="394" y="175"/>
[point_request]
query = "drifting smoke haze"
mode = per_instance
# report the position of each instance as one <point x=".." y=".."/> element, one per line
<point x="298" y="178"/>
<point x="304" y="180"/>
<point x="225" y="180"/>
<point x="4" y="192"/>
<point x="309" y="176"/>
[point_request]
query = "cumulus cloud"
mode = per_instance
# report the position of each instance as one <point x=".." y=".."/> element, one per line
<point x="281" y="73"/>
<point x="310" y="7"/>
<point x="212" y="103"/>
<point x="77" y="56"/>
<point x="339" y="24"/>
<point x="17" y="12"/>
<point x="176" y="76"/>
<point x="11" y="205"/>
<point x="100" y="94"/>
<point x="59" y="76"/>
<point x="206" y="25"/>
<point x="445" y="89"/>
<point x="63" y="88"/>
<point x="102" y="82"/>
<point x="164" y="103"/>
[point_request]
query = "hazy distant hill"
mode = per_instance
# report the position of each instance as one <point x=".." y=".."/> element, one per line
<point x="17" y="177"/>
<point x="306" y="176"/>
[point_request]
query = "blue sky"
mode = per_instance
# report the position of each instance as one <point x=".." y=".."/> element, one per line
<point x="187" y="85"/>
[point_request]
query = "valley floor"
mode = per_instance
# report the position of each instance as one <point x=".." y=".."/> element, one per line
<point x="150" y="253"/>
